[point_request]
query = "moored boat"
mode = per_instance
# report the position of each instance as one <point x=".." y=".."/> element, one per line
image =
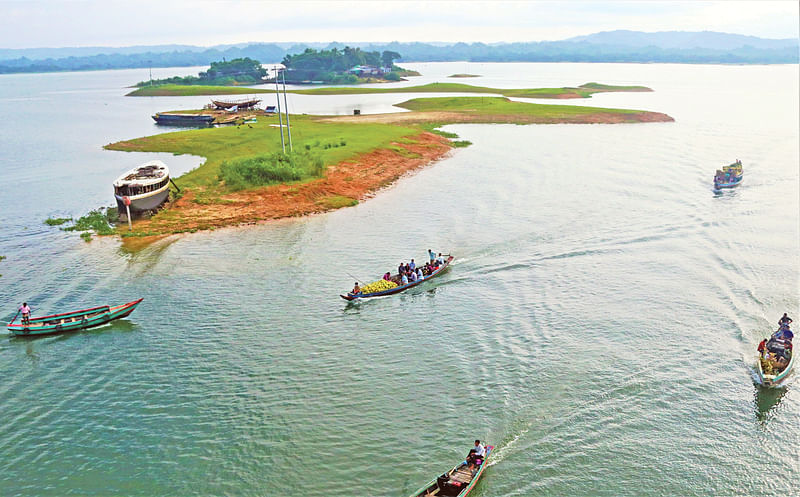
<point x="458" y="482"/>
<point x="142" y="188"/>
<point x="183" y="119"/>
<point x="239" y="104"/>
<point x="398" y="286"/>
<point x="729" y="177"/>
<point x="72" y="321"/>
<point x="776" y="358"/>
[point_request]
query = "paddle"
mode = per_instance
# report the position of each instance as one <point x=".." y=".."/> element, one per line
<point x="15" y="317"/>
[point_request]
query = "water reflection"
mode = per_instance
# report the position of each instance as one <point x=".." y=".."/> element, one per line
<point x="767" y="402"/>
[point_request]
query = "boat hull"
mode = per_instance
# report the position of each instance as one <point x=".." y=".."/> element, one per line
<point x="433" y="486"/>
<point x="145" y="202"/>
<point x="73" y="321"/>
<point x="350" y="296"/>
<point x="183" y="119"/>
<point x="728" y="184"/>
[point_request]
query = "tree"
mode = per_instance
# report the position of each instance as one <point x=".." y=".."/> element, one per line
<point x="387" y="57"/>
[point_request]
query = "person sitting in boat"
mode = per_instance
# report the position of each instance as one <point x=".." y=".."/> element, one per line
<point x="412" y="276"/>
<point x="762" y="346"/>
<point x="26" y="313"/>
<point x="420" y="274"/>
<point x="440" y="259"/>
<point x="387" y="276"/>
<point x="404" y="279"/>
<point x="784" y="334"/>
<point x="784" y="320"/>
<point x="476" y="455"/>
<point x="401" y="268"/>
<point x="356" y="289"/>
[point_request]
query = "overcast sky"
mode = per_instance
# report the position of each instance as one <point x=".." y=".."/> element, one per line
<point x="62" y="23"/>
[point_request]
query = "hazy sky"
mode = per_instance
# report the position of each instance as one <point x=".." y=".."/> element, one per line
<point x="39" y="23"/>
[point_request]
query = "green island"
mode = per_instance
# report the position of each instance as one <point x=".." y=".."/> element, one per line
<point x="582" y="91"/>
<point x="243" y="71"/>
<point x="337" y="160"/>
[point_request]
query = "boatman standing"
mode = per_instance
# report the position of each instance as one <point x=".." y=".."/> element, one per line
<point x="26" y="313"/>
<point x="784" y="320"/>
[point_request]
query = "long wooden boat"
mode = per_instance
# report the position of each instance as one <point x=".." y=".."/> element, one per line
<point x="774" y="378"/>
<point x="458" y="482"/>
<point x="168" y="119"/>
<point x="72" y="321"/>
<point x="730" y="176"/>
<point x="400" y="288"/>
<point x="239" y="104"/>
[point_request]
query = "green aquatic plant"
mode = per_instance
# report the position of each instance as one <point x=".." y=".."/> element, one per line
<point x="57" y="221"/>
<point x="96" y="221"/>
<point x="267" y="169"/>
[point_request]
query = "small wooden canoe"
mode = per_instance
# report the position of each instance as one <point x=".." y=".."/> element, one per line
<point x="457" y="482"/>
<point x="730" y="176"/>
<point x="401" y="288"/>
<point x="773" y="378"/>
<point x="72" y="321"/>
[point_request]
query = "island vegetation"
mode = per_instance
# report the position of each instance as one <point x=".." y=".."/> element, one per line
<point x="337" y="160"/>
<point x="347" y="66"/>
<point x="243" y="71"/>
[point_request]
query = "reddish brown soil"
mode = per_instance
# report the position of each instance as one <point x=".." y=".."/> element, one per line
<point x="355" y="179"/>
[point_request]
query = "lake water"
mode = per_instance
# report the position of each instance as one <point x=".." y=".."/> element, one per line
<point x="598" y="326"/>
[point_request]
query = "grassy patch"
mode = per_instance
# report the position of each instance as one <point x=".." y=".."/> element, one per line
<point x="193" y="90"/>
<point x="268" y="169"/>
<point x="57" y="221"/>
<point x="337" y="201"/>
<point x="461" y="143"/>
<point x="230" y="143"/>
<point x="499" y="106"/>
<point x="583" y="91"/>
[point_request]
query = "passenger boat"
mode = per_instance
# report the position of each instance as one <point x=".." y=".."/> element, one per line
<point x="144" y="188"/>
<point x="457" y="482"/>
<point x="239" y="104"/>
<point x="771" y="374"/>
<point x="399" y="288"/>
<point x="183" y="119"/>
<point x="72" y="321"/>
<point x="730" y="176"/>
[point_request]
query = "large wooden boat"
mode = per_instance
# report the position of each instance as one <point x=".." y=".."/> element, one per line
<point x="239" y="104"/>
<point x="145" y="187"/>
<point x="399" y="288"/>
<point x="729" y="177"/>
<point x="458" y="482"/>
<point x="770" y="373"/>
<point x="183" y="119"/>
<point x="72" y="321"/>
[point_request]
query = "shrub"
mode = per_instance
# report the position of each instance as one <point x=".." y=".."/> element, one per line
<point x="392" y="76"/>
<point x="269" y="169"/>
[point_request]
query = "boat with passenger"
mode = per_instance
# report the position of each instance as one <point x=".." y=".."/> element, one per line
<point x="71" y="321"/>
<point x="775" y="356"/>
<point x="143" y="188"/>
<point x="459" y="481"/>
<point x="729" y="176"/>
<point x="408" y="276"/>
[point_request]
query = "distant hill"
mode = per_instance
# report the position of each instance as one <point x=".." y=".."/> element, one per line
<point x="703" y="47"/>
<point x="684" y="40"/>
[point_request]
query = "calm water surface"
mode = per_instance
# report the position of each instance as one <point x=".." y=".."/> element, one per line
<point x="597" y="326"/>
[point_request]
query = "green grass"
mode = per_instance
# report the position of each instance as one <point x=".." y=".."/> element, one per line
<point x="268" y="169"/>
<point x="57" y="221"/>
<point x="583" y="91"/>
<point x="500" y="106"/>
<point x="231" y="143"/>
<point x="338" y="201"/>
<point x="193" y="90"/>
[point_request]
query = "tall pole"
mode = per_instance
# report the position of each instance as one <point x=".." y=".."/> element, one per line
<point x="151" y="71"/>
<point x="286" y="106"/>
<point x="280" y="119"/>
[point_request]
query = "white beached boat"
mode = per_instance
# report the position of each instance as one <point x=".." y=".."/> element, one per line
<point x="144" y="188"/>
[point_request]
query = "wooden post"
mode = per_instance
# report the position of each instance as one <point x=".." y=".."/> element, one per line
<point x="128" y="210"/>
